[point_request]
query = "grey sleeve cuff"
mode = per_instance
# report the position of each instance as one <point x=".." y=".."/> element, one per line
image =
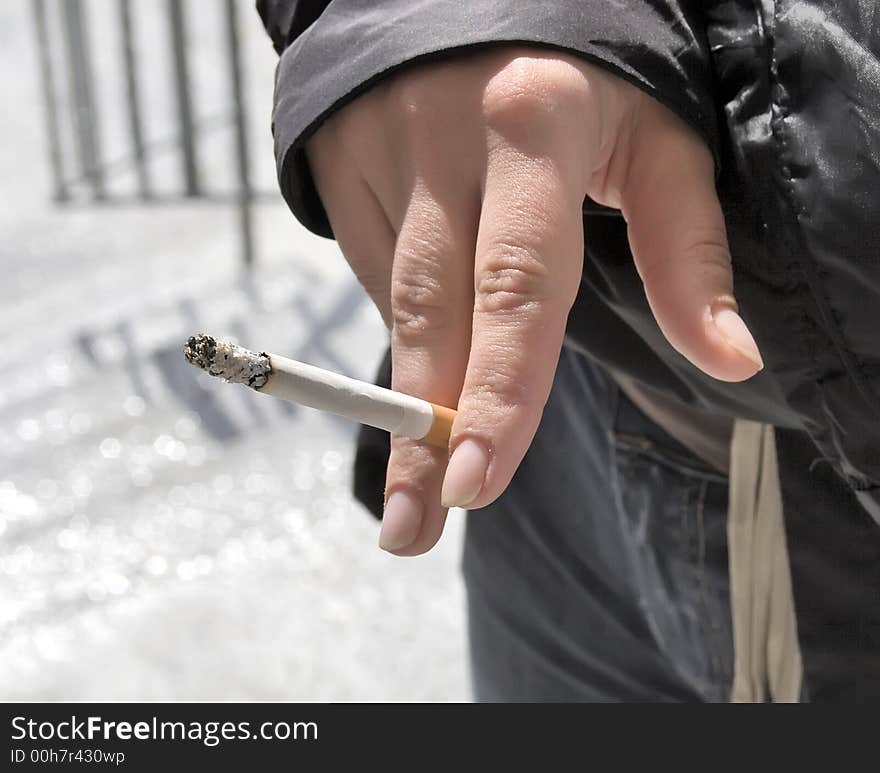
<point x="657" y="46"/>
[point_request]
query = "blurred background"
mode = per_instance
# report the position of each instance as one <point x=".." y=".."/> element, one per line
<point x="165" y="536"/>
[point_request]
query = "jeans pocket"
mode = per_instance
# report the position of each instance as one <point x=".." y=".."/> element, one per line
<point x="673" y="512"/>
<point x="634" y="433"/>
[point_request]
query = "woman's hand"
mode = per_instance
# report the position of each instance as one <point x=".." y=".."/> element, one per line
<point x="455" y="191"/>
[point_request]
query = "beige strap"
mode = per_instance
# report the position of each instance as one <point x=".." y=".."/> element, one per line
<point x="767" y="660"/>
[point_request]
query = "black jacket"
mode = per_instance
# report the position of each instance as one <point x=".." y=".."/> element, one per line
<point x="787" y="96"/>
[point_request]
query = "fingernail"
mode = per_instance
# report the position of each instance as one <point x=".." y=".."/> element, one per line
<point x="735" y="332"/>
<point x="401" y="521"/>
<point x="465" y="474"/>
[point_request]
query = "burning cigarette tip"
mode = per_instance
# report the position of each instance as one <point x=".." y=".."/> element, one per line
<point x="228" y="361"/>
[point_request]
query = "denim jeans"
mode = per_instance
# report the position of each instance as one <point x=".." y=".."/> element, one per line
<point x="601" y="573"/>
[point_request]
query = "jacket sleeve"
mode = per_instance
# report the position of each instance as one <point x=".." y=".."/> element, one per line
<point x="333" y="51"/>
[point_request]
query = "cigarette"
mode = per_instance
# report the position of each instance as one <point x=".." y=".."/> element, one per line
<point x="297" y="382"/>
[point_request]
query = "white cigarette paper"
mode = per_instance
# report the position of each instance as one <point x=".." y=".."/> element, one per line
<point x="314" y="387"/>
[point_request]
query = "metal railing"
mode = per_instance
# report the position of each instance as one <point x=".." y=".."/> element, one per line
<point x="80" y="168"/>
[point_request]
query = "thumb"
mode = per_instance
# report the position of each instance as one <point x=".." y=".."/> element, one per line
<point x="679" y="244"/>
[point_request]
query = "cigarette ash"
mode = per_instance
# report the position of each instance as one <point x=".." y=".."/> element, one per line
<point x="228" y="361"/>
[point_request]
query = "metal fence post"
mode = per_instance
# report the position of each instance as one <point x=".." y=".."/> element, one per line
<point x="133" y="94"/>
<point x="47" y="80"/>
<point x="85" y="117"/>
<point x="245" y="194"/>
<point x="184" y="101"/>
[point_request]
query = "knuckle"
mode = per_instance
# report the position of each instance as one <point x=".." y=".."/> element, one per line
<point x="708" y="246"/>
<point x="703" y="253"/>
<point x="501" y="392"/>
<point x="418" y="307"/>
<point x="374" y="281"/>
<point x="533" y="88"/>
<point x="512" y="279"/>
<point x="706" y="230"/>
<point x="706" y="253"/>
